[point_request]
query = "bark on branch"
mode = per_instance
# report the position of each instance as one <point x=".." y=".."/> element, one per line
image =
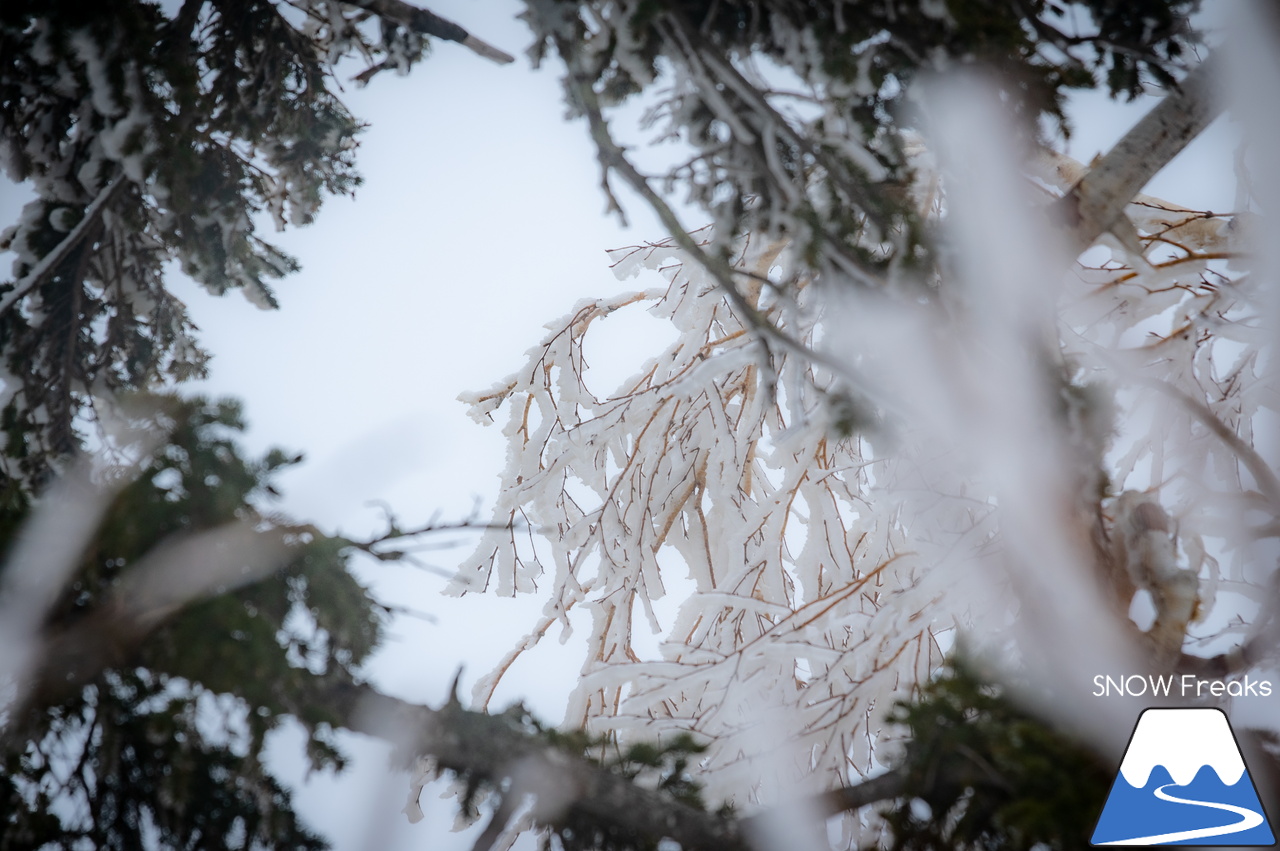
<point x="1096" y="203"/>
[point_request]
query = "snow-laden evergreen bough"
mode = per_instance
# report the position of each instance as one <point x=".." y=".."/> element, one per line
<point x="153" y="142"/>
<point x="830" y="524"/>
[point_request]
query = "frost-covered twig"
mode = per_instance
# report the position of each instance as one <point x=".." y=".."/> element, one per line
<point x="822" y="561"/>
<point x="1262" y="645"/>
<point x="1262" y="473"/>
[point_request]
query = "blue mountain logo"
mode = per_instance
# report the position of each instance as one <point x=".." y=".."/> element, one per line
<point x="1183" y="781"/>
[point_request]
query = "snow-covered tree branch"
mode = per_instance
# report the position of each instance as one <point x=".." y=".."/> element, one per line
<point x="885" y="417"/>
<point x="936" y="423"/>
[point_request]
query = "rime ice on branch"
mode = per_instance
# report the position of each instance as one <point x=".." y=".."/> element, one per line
<point x="829" y="541"/>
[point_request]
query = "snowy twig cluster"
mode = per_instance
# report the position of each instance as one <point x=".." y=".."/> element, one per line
<point x="823" y="533"/>
<point x="721" y="474"/>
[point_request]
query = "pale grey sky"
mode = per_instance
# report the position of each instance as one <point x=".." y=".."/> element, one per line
<point x="479" y="220"/>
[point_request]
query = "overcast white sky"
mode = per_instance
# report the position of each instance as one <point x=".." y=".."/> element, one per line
<point x="480" y="219"/>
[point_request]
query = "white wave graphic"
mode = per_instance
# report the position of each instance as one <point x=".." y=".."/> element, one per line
<point x="1249" y="819"/>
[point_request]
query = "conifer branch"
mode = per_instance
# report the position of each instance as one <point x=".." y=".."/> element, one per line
<point x="429" y="23"/>
<point x="48" y="263"/>
<point x="882" y="787"/>
<point x="491" y="748"/>
<point x="175" y="574"/>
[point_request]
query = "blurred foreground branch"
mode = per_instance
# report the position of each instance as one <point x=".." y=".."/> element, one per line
<point x="494" y="748"/>
<point x="573" y="794"/>
<point x="176" y="574"/>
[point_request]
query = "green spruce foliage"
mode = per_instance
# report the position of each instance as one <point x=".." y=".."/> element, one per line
<point x="163" y="746"/>
<point x="151" y="139"/>
<point x="989" y="774"/>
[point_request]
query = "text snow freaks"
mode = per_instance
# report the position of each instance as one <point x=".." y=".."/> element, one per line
<point x="1170" y="685"/>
